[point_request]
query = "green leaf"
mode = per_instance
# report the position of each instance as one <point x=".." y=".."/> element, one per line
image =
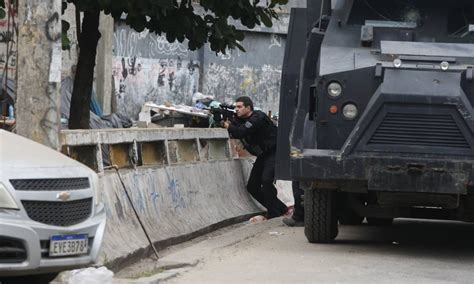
<point x="265" y="19"/>
<point x="65" y="42"/>
<point x="240" y="47"/>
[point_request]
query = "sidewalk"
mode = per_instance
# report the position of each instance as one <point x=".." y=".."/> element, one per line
<point x="182" y="260"/>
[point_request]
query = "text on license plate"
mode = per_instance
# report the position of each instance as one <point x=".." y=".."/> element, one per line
<point x="61" y="245"/>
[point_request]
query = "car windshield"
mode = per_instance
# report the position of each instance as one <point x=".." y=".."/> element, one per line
<point x="454" y="17"/>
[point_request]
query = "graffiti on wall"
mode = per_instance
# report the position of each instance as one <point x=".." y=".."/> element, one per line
<point x="8" y="45"/>
<point x="139" y="80"/>
<point x="148" y="68"/>
<point x="129" y="43"/>
<point x="226" y="83"/>
<point x="255" y="73"/>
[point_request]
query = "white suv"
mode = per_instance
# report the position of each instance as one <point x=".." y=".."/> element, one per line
<point x="50" y="215"/>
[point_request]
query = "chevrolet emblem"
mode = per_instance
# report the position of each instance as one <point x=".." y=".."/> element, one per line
<point x="64" y="196"/>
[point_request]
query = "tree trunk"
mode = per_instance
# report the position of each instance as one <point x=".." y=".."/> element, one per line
<point x="81" y="95"/>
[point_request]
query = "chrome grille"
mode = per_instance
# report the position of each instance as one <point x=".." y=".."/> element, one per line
<point x="426" y="130"/>
<point x="59" y="213"/>
<point x="58" y="184"/>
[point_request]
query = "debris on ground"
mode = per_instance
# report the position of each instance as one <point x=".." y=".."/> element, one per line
<point x="257" y="219"/>
<point x="90" y="275"/>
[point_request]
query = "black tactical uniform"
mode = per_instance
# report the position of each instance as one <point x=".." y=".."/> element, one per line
<point x="259" y="134"/>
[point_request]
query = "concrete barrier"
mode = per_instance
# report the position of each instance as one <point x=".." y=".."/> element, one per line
<point x="181" y="183"/>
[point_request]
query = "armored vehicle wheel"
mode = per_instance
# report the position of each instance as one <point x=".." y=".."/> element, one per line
<point x="320" y="221"/>
<point x="380" y="221"/>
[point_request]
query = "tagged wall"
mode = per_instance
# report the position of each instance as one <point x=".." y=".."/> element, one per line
<point x="171" y="202"/>
<point x="176" y="191"/>
<point x="8" y="43"/>
<point x="255" y="73"/>
<point x="146" y="67"/>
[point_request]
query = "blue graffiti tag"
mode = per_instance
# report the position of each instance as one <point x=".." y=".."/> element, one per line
<point x="154" y="196"/>
<point x="173" y="188"/>
<point x="139" y="200"/>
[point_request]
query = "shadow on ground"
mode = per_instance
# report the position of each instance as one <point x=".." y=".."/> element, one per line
<point x="430" y="238"/>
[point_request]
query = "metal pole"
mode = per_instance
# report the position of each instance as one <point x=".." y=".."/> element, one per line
<point x="134" y="210"/>
<point x="39" y="71"/>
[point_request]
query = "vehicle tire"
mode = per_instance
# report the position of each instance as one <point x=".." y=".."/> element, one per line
<point x="320" y="221"/>
<point x="380" y="221"/>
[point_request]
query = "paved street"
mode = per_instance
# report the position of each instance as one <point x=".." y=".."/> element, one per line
<point x="410" y="251"/>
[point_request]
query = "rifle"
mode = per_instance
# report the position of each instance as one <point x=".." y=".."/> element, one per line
<point x="222" y="113"/>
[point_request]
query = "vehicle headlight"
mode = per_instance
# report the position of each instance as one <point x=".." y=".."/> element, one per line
<point x="350" y="111"/>
<point x="6" y="199"/>
<point x="334" y="89"/>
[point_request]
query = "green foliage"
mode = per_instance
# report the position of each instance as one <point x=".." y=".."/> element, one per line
<point x="65" y="42"/>
<point x="2" y="9"/>
<point x="197" y="21"/>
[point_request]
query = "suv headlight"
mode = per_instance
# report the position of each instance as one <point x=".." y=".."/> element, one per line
<point x="6" y="199"/>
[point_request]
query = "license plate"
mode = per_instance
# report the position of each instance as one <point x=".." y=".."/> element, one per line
<point x="62" y="245"/>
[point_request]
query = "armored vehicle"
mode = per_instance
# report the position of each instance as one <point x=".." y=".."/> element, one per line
<point x="376" y="112"/>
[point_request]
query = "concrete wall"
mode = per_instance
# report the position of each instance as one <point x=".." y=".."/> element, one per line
<point x="177" y="187"/>
<point x="171" y="202"/>
<point x="8" y="36"/>
<point x="255" y="73"/>
<point x="148" y="68"/>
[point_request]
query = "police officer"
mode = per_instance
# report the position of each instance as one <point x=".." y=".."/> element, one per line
<point x="258" y="135"/>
